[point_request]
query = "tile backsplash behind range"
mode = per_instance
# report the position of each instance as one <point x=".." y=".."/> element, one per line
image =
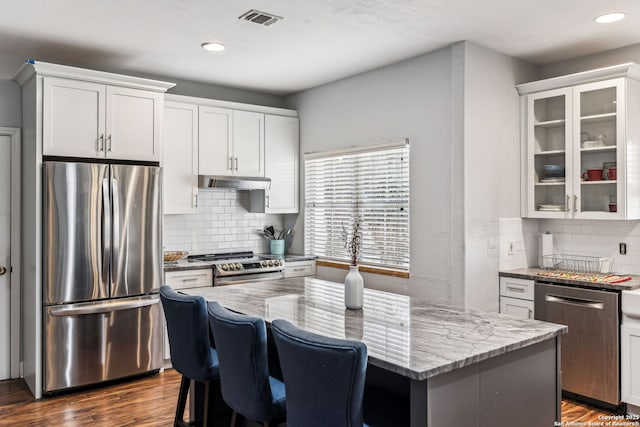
<point x="222" y="224"/>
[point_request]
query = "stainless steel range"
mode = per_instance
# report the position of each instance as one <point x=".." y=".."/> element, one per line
<point x="241" y="267"/>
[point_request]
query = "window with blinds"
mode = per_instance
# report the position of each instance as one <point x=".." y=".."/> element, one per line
<point x="371" y="182"/>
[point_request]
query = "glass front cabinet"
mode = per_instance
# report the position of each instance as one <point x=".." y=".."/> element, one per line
<point x="581" y="145"/>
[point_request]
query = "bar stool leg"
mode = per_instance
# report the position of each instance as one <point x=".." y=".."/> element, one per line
<point x="182" y="401"/>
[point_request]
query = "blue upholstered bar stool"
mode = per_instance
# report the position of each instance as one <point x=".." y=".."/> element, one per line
<point x="247" y="387"/>
<point x="324" y="377"/>
<point x="191" y="351"/>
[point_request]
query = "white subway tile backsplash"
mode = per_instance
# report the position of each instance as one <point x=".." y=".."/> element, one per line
<point x="221" y="224"/>
<point x="598" y="238"/>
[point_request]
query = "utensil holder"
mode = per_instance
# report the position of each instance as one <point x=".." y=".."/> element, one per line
<point x="277" y="247"/>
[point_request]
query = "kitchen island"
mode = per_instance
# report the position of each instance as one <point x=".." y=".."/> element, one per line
<point x="455" y="366"/>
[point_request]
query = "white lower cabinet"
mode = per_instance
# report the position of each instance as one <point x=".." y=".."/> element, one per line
<point x="516" y="307"/>
<point x="300" y="268"/>
<point x="198" y="278"/>
<point x="630" y="358"/>
<point x="630" y="349"/>
<point x="516" y="297"/>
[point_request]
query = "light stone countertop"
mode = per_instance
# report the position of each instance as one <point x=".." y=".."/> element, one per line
<point x="410" y="337"/>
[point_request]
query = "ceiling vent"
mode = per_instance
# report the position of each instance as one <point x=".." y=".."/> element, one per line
<point x="261" y="18"/>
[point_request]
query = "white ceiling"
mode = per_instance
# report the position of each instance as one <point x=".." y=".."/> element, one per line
<point x="317" y="42"/>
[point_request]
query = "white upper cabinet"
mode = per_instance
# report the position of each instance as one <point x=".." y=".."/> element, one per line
<point x="231" y="142"/>
<point x="282" y="151"/>
<point x="216" y="151"/>
<point x="248" y="143"/>
<point x="133" y="124"/>
<point x="85" y="119"/>
<point x="180" y="158"/>
<point x="581" y="146"/>
<point x="97" y="115"/>
<point x="74" y="118"/>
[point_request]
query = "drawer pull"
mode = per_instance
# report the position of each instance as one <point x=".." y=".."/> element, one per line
<point x="514" y="289"/>
<point x="195" y="279"/>
<point x="299" y="269"/>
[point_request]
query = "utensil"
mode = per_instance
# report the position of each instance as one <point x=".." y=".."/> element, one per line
<point x="282" y="234"/>
<point x="270" y="232"/>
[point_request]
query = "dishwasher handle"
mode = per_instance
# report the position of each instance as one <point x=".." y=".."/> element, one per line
<point x="574" y="301"/>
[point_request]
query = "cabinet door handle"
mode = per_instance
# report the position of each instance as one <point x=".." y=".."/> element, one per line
<point x="575" y="203"/>
<point x="530" y="314"/>
<point x="195" y="201"/>
<point x="109" y="143"/>
<point x="268" y="201"/>
<point x="514" y="289"/>
<point x="230" y="163"/>
<point x="236" y="159"/>
<point x="567" y="204"/>
<point x="101" y="143"/>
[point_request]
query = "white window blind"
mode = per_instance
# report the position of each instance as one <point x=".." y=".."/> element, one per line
<point x="372" y="182"/>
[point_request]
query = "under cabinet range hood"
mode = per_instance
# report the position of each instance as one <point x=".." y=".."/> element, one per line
<point x="237" y="182"/>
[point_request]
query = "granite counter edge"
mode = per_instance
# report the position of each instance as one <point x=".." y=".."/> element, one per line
<point x="457" y="364"/>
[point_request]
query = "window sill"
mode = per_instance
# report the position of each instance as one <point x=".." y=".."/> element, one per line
<point x="364" y="268"/>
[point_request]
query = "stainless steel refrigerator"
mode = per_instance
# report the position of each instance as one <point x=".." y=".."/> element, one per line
<point x="102" y="256"/>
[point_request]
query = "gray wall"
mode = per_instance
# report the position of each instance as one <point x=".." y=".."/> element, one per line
<point x="460" y="110"/>
<point x="223" y="93"/>
<point x="411" y="99"/>
<point x="10" y="104"/>
<point x="491" y="163"/>
<point x="604" y="59"/>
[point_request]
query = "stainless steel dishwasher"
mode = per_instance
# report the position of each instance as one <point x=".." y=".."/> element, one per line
<point x="590" y="351"/>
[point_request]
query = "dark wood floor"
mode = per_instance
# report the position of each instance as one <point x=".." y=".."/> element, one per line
<point x="149" y="401"/>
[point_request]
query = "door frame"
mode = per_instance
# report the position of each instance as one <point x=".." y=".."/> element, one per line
<point x="14" y="279"/>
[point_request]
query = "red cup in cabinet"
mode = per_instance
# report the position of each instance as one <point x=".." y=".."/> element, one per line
<point x="613" y="207"/>
<point x="592" y="175"/>
<point x="612" y="174"/>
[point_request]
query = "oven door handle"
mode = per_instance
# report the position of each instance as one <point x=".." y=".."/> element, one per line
<point x="574" y="301"/>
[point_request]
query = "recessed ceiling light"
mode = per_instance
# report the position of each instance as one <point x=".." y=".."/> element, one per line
<point x="213" y="46"/>
<point x="610" y="17"/>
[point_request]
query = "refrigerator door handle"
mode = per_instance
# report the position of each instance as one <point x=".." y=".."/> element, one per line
<point x="106" y="307"/>
<point x="116" y="222"/>
<point x="106" y="231"/>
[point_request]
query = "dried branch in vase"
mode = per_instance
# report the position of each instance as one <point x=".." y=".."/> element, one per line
<point x="353" y="240"/>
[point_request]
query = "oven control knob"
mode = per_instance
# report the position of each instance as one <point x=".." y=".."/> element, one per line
<point x="225" y="267"/>
<point x="263" y="263"/>
<point x="276" y="262"/>
<point x="233" y="266"/>
<point x="270" y="263"/>
<point x="238" y="266"/>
